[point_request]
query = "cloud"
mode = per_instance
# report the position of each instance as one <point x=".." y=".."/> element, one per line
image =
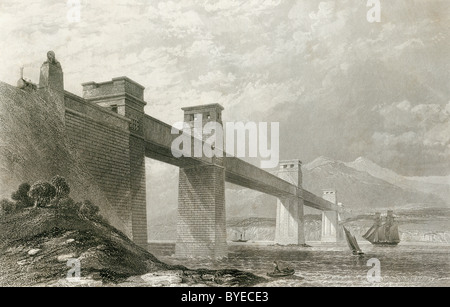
<point x="339" y="85"/>
<point x="417" y="133"/>
<point x="216" y="78"/>
<point x="403" y="116"/>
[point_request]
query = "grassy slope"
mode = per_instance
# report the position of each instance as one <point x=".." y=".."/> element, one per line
<point x="104" y="252"/>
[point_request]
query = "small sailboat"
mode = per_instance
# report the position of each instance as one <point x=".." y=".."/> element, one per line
<point x="352" y="243"/>
<point x="383" y="234"/>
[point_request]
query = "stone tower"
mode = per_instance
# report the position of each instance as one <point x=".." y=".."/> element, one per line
<point x="290" y="221"/>
<point x="199" y="116"/>
<point x="201" y="227"/>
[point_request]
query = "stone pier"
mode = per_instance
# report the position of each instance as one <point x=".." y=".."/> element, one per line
<point x="331" y="230"/>
<point x="290" y="221"/>
<point x="201" y="225"/>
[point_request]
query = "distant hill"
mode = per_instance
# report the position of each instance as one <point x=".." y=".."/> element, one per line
<point x="359" y="189"/>
<point x="439" y="186"/>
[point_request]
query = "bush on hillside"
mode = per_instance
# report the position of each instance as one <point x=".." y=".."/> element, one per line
<point x="67" y="206"/>
<point x="42" y="193"/>
<point x="54" y="195"/>
<point x="61" y="186"/>
<point x="21" y="196"/>
<point x="88" y="209"/>
<point x="6" y="206"/>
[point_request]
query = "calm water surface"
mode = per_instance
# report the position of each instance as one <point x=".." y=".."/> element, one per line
<point x="333" y="265"/>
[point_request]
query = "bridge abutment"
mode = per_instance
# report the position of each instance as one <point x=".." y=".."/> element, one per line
<point x="289" y="228"/>
<point x="124" y="97"/>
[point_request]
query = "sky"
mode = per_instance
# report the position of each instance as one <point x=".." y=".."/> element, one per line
<point x="338" y="85"/>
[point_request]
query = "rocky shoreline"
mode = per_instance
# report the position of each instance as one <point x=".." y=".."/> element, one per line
<point x="169" y="278"/>
<point x="37" y="245"/>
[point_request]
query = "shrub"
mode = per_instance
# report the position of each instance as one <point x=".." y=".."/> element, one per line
<point x="61" y="186"/>
<point x="66" y="206"/>
<point x="21" y="196"/>
<point x="7" y="206"/>
<point x="88" y="209"/>
<point x="54" y="202"/>
<point x="42" y="193"/>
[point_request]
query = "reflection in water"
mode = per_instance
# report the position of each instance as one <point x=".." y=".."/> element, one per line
<point x="334" y="265"/>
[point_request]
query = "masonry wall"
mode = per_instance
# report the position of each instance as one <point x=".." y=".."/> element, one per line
<point x="201" y="227"/>
<point x="102" y="142"/>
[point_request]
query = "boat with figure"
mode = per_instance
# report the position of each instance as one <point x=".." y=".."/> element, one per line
<point x="383" y="234"/>
<point x="287" y="272"/>
<point x="280" y="272"/>
<point x="352" y="242"/>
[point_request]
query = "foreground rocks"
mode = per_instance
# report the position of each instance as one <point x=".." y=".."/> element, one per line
<point x="38" y="247"/>
<point x="169" y="278"/>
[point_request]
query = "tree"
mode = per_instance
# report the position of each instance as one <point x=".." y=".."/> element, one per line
<point x="67" y="206"/>
<point x="7" y="206"/>
<point x="61" y="186"/>
<point x="88" y="209"/>
<point x="21" y="196"/>
<point x="42" y="193"/>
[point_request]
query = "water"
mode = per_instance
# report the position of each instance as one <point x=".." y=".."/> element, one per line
<point x="406" y="265"/>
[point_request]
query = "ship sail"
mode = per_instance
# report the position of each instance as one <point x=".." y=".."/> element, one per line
<point x="394" y="236"/>
<point x="355" y="243"/>
<point x="381" y="234"/>
<point x="369" y="233"/>
<point x="352" y="243"/>
<point x="348" y="239"/>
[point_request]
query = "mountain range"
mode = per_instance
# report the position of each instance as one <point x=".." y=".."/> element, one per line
<point x="437" y="185"/>
<point x="362" y="184"/>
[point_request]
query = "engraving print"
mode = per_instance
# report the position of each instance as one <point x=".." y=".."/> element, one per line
<point x="224" y="143"/>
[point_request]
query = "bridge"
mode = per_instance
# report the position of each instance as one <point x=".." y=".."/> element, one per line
<point x="113" y="135"/>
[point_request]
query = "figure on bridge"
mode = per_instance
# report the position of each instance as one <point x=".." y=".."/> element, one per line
<point x="51" y="58"/>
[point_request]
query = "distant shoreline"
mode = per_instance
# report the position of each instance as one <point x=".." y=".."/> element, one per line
<point x="312" y="243"/>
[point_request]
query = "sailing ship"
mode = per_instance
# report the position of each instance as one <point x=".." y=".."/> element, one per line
<point x="383" y="234"/>
<point x="352" y="243"/>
